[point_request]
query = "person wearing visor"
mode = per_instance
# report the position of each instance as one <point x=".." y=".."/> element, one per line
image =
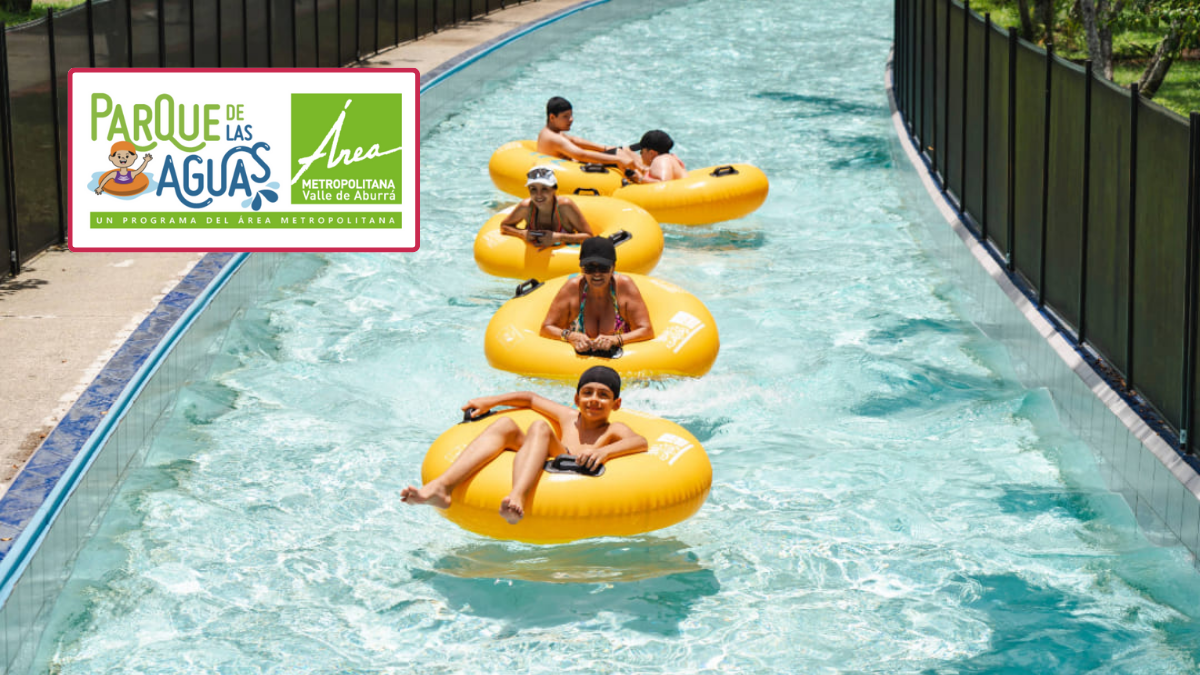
<point x="655" y="151"/>
<point x="550" y="220"/>
<point x="553" y="140"/>
<point x="599" y="310"/>
<point x="587" y="435"/>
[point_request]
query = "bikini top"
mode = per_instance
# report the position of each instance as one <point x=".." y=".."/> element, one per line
<point x="555" y="216"/>
<point x="619" y="325"/>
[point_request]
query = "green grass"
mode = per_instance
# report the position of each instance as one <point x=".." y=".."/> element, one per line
<point x="1179" y="92"/>
<point x="37" y="11"/>
<point x="1131" y="52"/>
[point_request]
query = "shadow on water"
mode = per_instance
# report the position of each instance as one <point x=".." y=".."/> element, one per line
<point x="821" y="106"/>
<point x="858" y="151"/>
<point x="703" y="428"/>
<point x="703" y="239"/>
<point x="653" y="582"/>
<point x="924" y="387"/>
<point x="1041" y="630"/>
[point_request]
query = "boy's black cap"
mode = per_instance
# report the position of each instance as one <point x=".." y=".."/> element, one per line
<point x="599" y="250"/>
<point x="656" y="140"/>
<point x="601" y="375"/>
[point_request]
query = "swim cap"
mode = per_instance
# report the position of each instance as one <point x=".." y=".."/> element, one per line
<point x="122" y="145"/>
<point x="557" y="106"/>
<point x="601" y="375"/>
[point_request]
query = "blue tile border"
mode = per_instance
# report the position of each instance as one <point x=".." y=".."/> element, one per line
<point x="64" y="443"/>
<point x="448" y="68"/>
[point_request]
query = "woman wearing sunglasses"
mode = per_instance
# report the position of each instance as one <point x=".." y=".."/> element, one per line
<point x="598" y="311"/>
<point x="549" y="219"/>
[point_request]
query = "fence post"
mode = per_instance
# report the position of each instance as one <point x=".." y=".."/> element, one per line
<point x="58" y="183"/>
<point x="191" y="30"/>
<point x="270" y="34"/>
<point x="376" y="26"/>
<point x="921" y="92"/>
<point x="245" y="35"/>
<point x="962" y="151"/>
<point x="946" y="107"/>
<point x="338" y="61"/>
<point x="1134" y="100"/>
<point x="987" y="114"/>
<point x="91" y="29"/>
<point x="220" y="32"/>
<point x="295" y="34"/>
<point x="162" y="35"/>
<point x="1189" y="330"/>
<point x="357" y="30"/>
<point x="129" y="32"/>
<point x="1041" y="294"/>
<point x="933" y="96"/>
<point x="903" y="98"/>
<point x="14" y="242"/>
<point x="396" y="23"/>
<point x="1085" y="214"/>
<point x="1012" y="144"/>
<point x="317" y="33"/>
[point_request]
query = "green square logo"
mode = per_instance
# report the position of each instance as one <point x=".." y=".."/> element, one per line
<point x="346" y="149"/>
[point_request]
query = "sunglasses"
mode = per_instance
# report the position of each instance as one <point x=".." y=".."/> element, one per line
<point x="540" y="173"/>
<point x="593" y="268"/>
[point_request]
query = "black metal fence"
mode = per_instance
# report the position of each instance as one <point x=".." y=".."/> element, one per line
<point x="36" y="56"/>
<point x="1083" y="190"/>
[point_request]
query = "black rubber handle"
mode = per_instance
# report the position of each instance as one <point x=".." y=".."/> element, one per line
<point x="595" y="168"/>
<point x="587" y="191"/>
<point x="726" y="170"/>
<point x="567" y="464"/>
<point x="526" y="287"/>
<point x="614" y="353"/>
<point x="469" y="412"/>
<point x="620" y="237"/>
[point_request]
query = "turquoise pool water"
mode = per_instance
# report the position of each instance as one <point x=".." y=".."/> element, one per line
<point x="887" y="498"/>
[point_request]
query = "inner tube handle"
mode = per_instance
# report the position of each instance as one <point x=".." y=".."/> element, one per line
<point x="469" y="412"/>
<point x="620" y="237"/>
<point x="526" y="287"/>
<point x="567" y="464"/>
<point x="587" y="191"/>
<point x="594" y="168"/>
<point x="726" y="170"/>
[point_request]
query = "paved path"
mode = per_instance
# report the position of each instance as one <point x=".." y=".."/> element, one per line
<point x="66" y="313"/>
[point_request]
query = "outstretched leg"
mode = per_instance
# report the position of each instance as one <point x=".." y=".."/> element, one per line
<point x="540" y="443"/>
<point x="501" y="435"/>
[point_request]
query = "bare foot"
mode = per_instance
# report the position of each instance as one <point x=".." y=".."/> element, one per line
<point x="512" y="509"/>
<point x="432" y="494"/>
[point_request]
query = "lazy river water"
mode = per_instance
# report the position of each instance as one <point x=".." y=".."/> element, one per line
<point x="887" y="497"/>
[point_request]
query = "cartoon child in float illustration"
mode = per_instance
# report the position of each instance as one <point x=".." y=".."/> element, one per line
<point x="121" y="181"/>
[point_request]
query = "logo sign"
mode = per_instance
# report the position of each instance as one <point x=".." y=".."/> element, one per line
<point x="243" y="160"/>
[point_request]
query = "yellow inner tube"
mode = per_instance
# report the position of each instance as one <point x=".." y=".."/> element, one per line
<point x="506" y="256"/>
<point x="685" y="339"/>
<point x="709" y="195"/>
<point x="636" y="493"/>
<point x="512" y="161"/>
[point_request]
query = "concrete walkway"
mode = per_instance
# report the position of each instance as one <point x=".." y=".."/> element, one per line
<point x="65" y="314"/>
